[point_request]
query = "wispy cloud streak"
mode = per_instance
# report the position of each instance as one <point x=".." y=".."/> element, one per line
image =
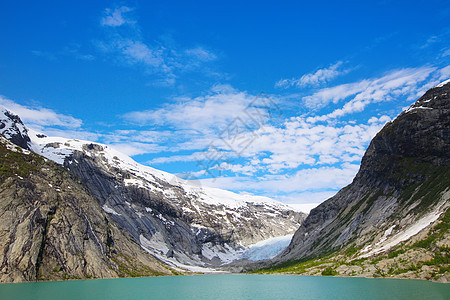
<point x="125" y="43"/>
<point x="313" y="79"/>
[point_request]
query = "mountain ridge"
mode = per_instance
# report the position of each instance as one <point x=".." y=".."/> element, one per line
<point x="181" y="224"/>
<point x="53" y="229"/>
<point x="401" y="190"/>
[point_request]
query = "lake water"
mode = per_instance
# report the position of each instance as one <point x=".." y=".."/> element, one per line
<point x="229" y="287"/>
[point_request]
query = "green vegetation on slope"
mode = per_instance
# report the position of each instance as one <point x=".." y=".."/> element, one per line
<point x="16" y="163"/>
<point x="426" y="258"/>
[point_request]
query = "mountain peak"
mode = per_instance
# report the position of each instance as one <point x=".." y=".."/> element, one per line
<point x="442" y="83"/>
<point x="12" y="127"/>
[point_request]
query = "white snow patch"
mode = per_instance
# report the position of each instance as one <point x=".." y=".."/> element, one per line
<point x="161" y="218"/>
<point x="156" y="242"/>
<point x="367" y="248"/>
<point x="109" y="210"/>
<point x="225" y="253"/>
<point x="148" y="209"/>
<point x="385" y="235"/>
<point x="442" y="83"/>
<point x="303" y="207"/>
<point x="411" y="108"/>
<point x="134" y="181"/>
<point x="406" y="234"/>
<point x="178" y="265"/>
<point x="187" y="209"/>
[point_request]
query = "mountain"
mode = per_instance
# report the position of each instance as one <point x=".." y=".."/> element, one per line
<point x="401" y="189"/>
<point x="52" y="228"/>
<point x="12" y="127"/>
<point x="180" y="223"/>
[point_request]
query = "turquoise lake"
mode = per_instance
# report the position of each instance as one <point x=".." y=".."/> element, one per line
<point x="229" y="287"/>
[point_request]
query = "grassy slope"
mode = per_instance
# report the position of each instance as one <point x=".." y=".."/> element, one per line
<point x="424" y="256"/>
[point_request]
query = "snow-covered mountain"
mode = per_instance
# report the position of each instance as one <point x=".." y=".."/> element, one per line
<point x="52" y="228"/>
<point x="175" y="220"/>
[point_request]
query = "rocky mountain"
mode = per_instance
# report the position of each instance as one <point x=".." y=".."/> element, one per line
<point x="177" y="221"/>
<point x="52" y="228"/>
<point x="401" y="189"/>
<point x="12" y="127"/>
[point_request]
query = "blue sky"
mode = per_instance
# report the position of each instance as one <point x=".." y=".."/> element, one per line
<point x="269" y="98"/>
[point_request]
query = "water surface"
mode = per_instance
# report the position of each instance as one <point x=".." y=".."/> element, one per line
<point x="229" y="287"/>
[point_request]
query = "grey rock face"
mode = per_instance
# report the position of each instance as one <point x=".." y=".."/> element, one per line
<point x="12" y="127"/>
<point x="173" y="222"/>
<point x="53" y="229"/>
<point x="404" y="176"/>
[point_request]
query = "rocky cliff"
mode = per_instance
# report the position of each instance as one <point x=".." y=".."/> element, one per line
<point x="52" y="228"/>
<point x="179" y="222"/>
<point x="176" y="221"/>
<point x="12" y="127"/>
<point x="402" y="187"/>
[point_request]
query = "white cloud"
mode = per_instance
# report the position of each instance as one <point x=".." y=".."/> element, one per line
<point x="334" y="94"/>
<point x="201" y="125"/>
<point x="444" y="73"/>
<point x="313" y="79"/>
<point x="410" y="83"/>
<point x="303" y="207"/>
<point x="49" y="122"/>
<point x="222" y="107"/>
<point x="305" y="180"/>
<point x="127" y="45"/>
<point x="143" y="136"/>
<point x="305" y="201"/>
<point x="301" y="143"/>
<point x="115" y="17"/>
<point x="173" y="158"/>
<point x="136" y="148"/>
<point x="138" y="52"/>
<point x="307" y="197"/>
<point x="40" y="117"/>
<point x="446" y="53"/>
<point x="201" y="54"/>
<point x="239" y="168"/>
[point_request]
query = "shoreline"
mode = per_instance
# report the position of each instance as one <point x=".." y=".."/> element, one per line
<point x="224" y="273"/>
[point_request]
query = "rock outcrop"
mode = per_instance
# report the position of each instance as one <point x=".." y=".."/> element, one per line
<point x="12" y="127"/>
